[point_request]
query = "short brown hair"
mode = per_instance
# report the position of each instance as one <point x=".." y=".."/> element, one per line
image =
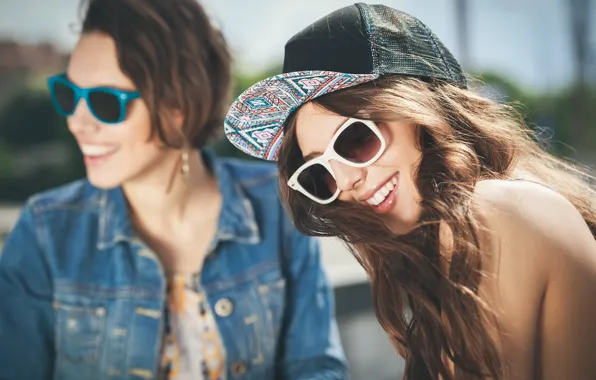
<point x="174" y="55"/>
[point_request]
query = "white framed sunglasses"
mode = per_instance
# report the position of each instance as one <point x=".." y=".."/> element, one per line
<point x="357" y="143"/>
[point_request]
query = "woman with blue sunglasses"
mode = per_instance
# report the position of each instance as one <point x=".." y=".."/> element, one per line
<point x="166" y="262"/>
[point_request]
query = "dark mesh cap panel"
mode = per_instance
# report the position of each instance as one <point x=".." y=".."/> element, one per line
<point x="401" y="44"/>
<point x="337" y="42"/>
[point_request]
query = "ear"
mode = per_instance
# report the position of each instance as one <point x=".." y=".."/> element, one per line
<point x="178" y="119"/>
<point x="172" y="121"/>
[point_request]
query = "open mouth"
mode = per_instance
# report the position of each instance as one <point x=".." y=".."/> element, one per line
<point x="382" y="194"/>
<point x="98" y="150"/>
<point x="383" y="200"/>
<point x="97" y="154"/>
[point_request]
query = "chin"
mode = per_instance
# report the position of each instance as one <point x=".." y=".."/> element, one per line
<point x="405" y="220"/>
<point x="104" y="183"/>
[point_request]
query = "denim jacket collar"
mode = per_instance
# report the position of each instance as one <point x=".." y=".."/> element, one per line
<point x="237" y="221"/>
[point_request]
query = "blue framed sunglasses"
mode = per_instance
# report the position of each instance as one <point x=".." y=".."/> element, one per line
<point x="108" y="105"/>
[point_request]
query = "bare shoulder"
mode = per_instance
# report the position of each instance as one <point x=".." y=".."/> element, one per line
<point x="520" y="199"/>
<point x="546" y="277"/>
<point x="519" y="221"/>
<point x="533" y="214"/>
<point x="540" y="236"/>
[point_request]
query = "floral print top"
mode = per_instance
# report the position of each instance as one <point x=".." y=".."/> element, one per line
<point x="193" y="348"/>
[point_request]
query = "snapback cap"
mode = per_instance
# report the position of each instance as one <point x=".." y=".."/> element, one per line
<point x="348" y="47"/>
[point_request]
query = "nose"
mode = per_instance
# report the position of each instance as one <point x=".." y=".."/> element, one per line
<point x="82" y="120"/>
<point x="347" y="177"/>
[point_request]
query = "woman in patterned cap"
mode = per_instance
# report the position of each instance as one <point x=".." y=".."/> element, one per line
<point x="479" y="245"/>
<point x="166" y="262"/>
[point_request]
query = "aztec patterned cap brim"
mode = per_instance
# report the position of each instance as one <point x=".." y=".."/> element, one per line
<point x="255" y="120"/>
<point x="350" y="46"/>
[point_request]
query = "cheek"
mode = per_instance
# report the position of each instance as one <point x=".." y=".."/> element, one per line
<point x="402" y="144"/>
<point x="404" y="155"/>
<point x="136" y="129"/>
<point x="346" y="197"/>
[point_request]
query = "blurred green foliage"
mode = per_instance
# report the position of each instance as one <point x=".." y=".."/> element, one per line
<point x="29" y="128"/>
<point x="29" y="119"/>
<point x="28" y="123"/>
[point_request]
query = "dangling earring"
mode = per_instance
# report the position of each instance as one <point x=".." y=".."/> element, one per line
<point x="185" y="168"/>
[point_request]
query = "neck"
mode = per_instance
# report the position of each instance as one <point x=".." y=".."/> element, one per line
<point x="162" y="196"/>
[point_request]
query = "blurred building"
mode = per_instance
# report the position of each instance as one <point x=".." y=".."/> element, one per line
<point x="21" y="63"/>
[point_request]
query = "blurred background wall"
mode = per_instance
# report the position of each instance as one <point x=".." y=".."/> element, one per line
<point x="540" y="54"/>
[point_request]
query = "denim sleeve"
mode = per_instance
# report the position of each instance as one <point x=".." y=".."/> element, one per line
<point x="312" y="347"/>
<point x="26" y="311"/>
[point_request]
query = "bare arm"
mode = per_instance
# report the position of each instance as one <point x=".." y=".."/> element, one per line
<point x="548" y="262"/>
<point x="567" y="333"/>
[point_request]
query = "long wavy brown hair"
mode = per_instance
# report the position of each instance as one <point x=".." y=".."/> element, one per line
<point x="430" y="306"/>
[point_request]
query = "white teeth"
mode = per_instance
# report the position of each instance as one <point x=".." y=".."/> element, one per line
<point x="379" y="198"/>
<point x="97" y="150"/>
<point x="382" y="193"/>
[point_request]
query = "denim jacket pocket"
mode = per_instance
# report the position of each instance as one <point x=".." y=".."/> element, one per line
<point x="79" y="333"/>
<point x="252" y="325"/>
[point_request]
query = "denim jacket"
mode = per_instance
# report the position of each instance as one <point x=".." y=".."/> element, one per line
<point x="82" y="298"/>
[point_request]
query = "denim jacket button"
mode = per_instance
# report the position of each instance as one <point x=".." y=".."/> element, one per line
<point x="238" y="369"/>
<point x="100" y="312"/>
<point x="224" y="307"/>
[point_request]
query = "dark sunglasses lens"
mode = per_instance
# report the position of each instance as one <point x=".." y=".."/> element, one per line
<point x="105" y="106"/>
<point x="318" y="181"/>
<point x="357" y="143"/>
<point x="65" y="97"/>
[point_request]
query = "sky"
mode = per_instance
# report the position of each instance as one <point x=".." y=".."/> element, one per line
<point x="526" y="40"/>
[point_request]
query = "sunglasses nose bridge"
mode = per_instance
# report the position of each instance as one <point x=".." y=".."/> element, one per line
<point x="82" y="119"/>
<point x="81" y="107"/>
<point x="347" y="177"/>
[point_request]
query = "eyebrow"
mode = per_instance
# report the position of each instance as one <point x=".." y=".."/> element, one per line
<point x="317" y="153"/>
<point x="112" y="86"/>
